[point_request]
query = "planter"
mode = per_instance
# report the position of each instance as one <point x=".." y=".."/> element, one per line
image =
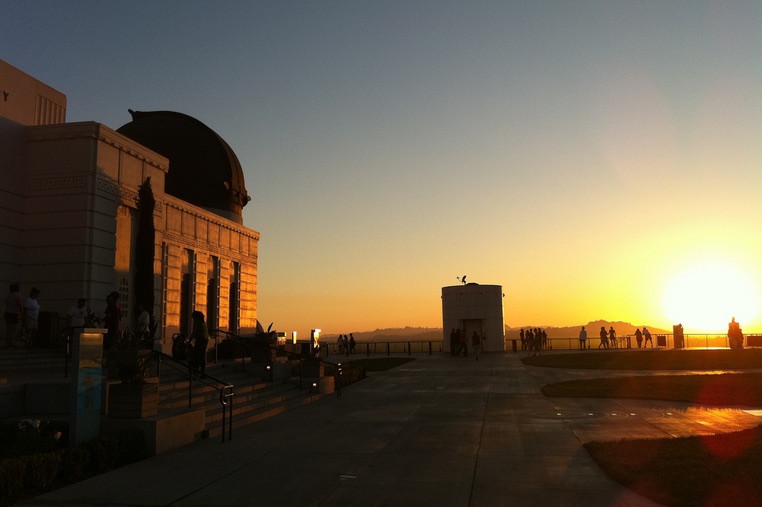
<point x="133" y="400"/>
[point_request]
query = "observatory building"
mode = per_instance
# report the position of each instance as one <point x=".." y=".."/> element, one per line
<point x="474" y="307"/>
<point x="68" y="211"/>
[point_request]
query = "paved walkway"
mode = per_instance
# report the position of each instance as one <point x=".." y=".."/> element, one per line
<point x="440" y="430"/>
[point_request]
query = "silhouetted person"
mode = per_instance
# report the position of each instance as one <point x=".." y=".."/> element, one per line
<point x="647" y="337"/>
<point x="638" y="337"/>
<point x="582" y="339"/>
<point x="352" y="343"/>
<point x="31" y="316"/>
<point x="453" y="342"/>
<point x="604" y="338"/>
<point x="77" y="315"/>
<point x="735" y="335"/>
<point x="612" y="337"/>
<point x="200" y="336"/>
<point x="463" y="340"/>
<point x="476" y="341"/>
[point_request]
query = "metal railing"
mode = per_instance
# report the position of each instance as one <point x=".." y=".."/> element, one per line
<point x="408" y="347"/>
<point x="692" y="341"/>
<point x="246" y="346"/>
<point x="224" y="389"/>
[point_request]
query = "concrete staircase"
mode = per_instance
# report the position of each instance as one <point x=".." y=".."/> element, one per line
<point x="254" y="399"/>
<point x="13" y="361"/>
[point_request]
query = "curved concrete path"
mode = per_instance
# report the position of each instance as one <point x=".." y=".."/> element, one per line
<point x="440" y="430"/>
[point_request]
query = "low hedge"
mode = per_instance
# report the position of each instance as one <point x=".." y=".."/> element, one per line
<point x="35" y="473"/>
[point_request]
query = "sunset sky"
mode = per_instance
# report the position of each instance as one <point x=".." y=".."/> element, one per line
<point x="599" y="160"/>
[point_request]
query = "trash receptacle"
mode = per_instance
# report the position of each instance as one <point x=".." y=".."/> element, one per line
<point x="661" y="341"/>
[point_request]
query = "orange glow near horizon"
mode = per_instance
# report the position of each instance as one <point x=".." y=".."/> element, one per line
<point x="706" y="295"/>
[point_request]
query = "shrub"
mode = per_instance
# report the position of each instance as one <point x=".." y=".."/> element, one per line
<point x="41" y="470"/>
<point x="11" y="479"/>
<point x="104" y="454"/>
<point x="74" y="461"/>
<point x="130" y="444"/>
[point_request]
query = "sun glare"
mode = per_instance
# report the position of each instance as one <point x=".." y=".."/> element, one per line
<point x="706" y="296"/>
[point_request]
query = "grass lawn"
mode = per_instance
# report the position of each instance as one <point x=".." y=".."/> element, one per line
<point x="718" y="470"/>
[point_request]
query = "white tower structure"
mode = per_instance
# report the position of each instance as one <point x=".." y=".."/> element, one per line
<point x="474" y="307"/>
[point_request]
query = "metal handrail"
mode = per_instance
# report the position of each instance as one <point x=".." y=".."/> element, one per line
<point x="225" y="389"/>
<point x="235" y="338"/>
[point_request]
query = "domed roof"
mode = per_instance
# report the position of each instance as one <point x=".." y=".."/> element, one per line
<point x="203" y="169"/>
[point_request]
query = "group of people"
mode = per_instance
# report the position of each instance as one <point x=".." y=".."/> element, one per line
<point x="534" y="340"/>
<point x="459" y="342"/>
<point x="643" y="337"/>
<point x="608" y="339"/>
<point x="21" y="317"/>
<point x="346" y="345"/>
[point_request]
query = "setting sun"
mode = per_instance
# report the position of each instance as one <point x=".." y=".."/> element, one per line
<point x="706" y="296"/>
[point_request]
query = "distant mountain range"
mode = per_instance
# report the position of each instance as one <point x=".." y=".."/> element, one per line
<point x="435" y="334"/>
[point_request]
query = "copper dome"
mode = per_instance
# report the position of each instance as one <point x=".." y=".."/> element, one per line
<point x="203" y="169"/>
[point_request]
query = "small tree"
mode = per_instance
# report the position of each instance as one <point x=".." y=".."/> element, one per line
<point x="145" y="248"/>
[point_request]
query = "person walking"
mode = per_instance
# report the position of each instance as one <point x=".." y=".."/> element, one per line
<point x="463" y="339"/>
<point x="200" y="336"/>
<point x="604" y="338"/>
<point x="647" y="338"/>
<point x="476" y="342"/>
<point x="582" y="339"/>
<point x="31" y="316"/>
<point x="77" y="315"/>
<point x="612" y="337"/>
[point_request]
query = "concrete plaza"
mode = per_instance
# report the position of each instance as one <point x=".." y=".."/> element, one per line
<point x="440" y="430"/>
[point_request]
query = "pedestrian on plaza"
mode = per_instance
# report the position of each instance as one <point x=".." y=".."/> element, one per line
<point x="647" y="338"/>
<point x="582" y="339"/>
<point x="612" y="337"/>
<point x="77" y="315"/>
<point x="638" y="337"/>
<point x="476" y="342"/>
<point x="346" y="345"/>
<point x="31" y="317"/>
<point x="523" y="340"/>
<point x="200" y="336"/>
<point x="352" y="343"/>
<point x="453" y="342"/>
<point x="13" y="310"/>
<point x="529" y="337"/>
<point x="463" y="339"/>
<point x="604" y="338"/>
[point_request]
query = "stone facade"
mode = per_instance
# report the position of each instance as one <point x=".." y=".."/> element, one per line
<point x="68" y="221"/>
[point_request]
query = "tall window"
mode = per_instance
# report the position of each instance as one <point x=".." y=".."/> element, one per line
<point x="164" y="278"/>
<point x="235" y="299"/>
<point x="187" y="291"/>
<point x="213" y="294"/>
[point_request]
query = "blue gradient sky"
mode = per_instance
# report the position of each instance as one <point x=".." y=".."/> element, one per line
<point x="584" y="155"/>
